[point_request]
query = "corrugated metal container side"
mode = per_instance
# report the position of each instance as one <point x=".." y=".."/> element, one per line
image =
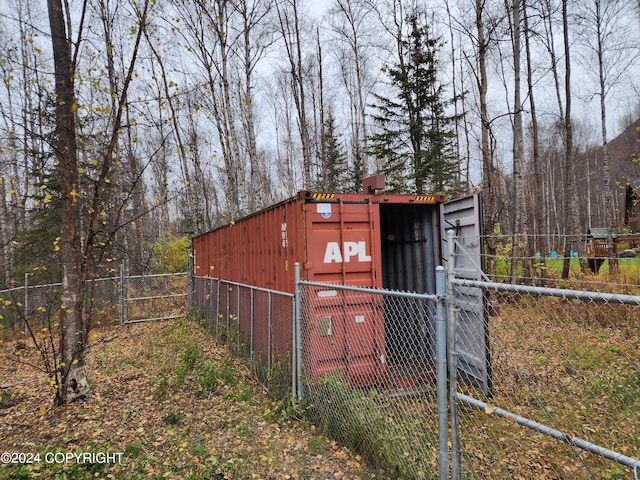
<point x="257" y="250"/>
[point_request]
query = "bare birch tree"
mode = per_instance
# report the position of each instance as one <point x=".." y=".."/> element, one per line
<point x="489" y="187"/>
<point x="256" y="37"/>
<point x="290" y="28"/>
<point x="351" y="22"/>
<point x="537" y="204"/>
<point x="571" y="206"/>
<point x="519" y="206"/>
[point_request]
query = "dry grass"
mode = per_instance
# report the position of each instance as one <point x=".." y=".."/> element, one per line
<point x="570" y="366"/>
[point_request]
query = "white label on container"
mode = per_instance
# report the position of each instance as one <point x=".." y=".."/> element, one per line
<point x="359" y="318"/>
<point x="324" y="209"/>
<point x="327" y="293"/>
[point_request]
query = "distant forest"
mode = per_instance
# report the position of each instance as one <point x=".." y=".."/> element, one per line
<point x="128" y="125"/>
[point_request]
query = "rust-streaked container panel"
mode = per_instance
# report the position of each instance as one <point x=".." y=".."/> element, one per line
<point x="340" y="239"/>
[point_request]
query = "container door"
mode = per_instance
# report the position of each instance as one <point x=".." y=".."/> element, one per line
<point x="343" y="247"/>
<point x="464" y="217"/>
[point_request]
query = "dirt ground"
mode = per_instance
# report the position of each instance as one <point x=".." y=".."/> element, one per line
<point x="167" y="401"/>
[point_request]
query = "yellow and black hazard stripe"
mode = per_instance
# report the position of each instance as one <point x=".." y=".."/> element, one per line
<point x="323" y="196"/>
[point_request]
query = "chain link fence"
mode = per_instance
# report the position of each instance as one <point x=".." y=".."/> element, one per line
<point x="152" y="297"/>
<point x="565" y="386"/>
<point x="521" y="375"/>
<point x="256" y="323"/>
<point x="565" y="373"/>
<point x="370" y="374"/>
<point x="35" y="302"/>
<point x="112" y="300"/>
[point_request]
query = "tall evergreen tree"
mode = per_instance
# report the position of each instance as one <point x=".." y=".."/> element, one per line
<point x="414" y="138"/>
<point x="334" y="164"/>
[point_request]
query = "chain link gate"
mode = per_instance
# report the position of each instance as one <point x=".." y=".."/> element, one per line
<point x="145" y="298"/>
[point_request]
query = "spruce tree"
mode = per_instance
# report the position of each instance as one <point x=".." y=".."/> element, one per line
<point x="334" y="162"/>
<point x="414" y="139"/>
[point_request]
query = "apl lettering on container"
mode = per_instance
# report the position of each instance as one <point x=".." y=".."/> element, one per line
<point x="333" y="252"/>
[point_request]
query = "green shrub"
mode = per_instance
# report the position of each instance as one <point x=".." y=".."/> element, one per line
<point x="187" y="360"/>
<point x="172" y="419"/>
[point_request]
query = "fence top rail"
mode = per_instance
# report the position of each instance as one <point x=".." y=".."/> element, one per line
<point x="9" y="290"/>
<point x="394" y="293"/>
<point x="22" y="287"/>
<point x="245" y="285"/>
<point x="553" y="292"/>
<point x="154" y="275"/>
<point x="89" y="280"/>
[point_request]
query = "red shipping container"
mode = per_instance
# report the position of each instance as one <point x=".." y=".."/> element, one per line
<point x="368" y="240"/>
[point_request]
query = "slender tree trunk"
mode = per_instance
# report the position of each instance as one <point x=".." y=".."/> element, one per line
<point x="323" y="140"/>
<point x="353" y="28"/>
<point x="488" y="174"/>
<point x="290" y="30"/>
<point x="73" y="339"/>
<point x="571" y="206"/>
<point x="608" y="195"/>
<point x="190" y="196"/>
<point x="5" y="280"/>
<point x="235" y="168"/>
<point x="249" y="120"/>
<point x="519" y="207"/>
<point x="538" y="201"/>
<point x="464" y="185"/>
<point x="553" y="58"/>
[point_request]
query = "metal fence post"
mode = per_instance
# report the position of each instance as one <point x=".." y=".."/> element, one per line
<point x="218" y="306"/>
<point x="239" y="288"/>
<point x="228" y="307"/>
<point x="211" y="311"/>
<point x="190" y="280"/>
<point x="298" y="334"/>
<point x="269" y="333"/>
<point x="251" y="325"/>
<point x="26" y="304"/>
<point x="121" y="290"/>
<point x="452" y="356"/>
<point x="441" y="373"/>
